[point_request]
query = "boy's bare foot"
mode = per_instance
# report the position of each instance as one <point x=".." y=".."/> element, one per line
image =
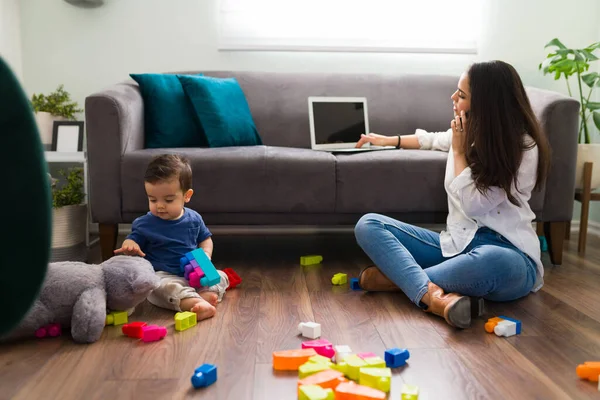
<point x="203" y="309"/>
<point x="211" y="297"/>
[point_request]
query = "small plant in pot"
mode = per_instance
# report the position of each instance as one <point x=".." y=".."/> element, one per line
<point x="69" y="217"/>
<point x="567" y="63"/>
<point x="57" y="106"/>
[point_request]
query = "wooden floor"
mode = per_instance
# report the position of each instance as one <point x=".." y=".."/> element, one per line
<point x="561" y="328"/>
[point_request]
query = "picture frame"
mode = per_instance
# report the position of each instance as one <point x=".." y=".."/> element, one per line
<point x="67" y="136"/>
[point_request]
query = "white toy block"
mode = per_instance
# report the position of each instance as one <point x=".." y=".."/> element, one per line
<point x="506" y="328"/>
<point x="341" y="352"/>
<point x="310" y="330"/>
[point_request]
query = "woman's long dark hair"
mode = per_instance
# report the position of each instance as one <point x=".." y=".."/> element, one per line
<point x="499" y="118"/>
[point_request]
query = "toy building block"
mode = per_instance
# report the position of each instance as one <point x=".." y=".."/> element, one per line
<point x="589" y="370"/>
<point x="234" y="278"/>
<point x="507" y="327"/>
<point x="516" y="321"/>
<point x="395" y="357"/>
<point x="410" y="392"/>
<point x="204" y="375"/>
<point x="116" y="318"/>
<point x="185" y="320"/>
<point x="187" y="270"/>
<point x="354" y="284"/>
<point x="133" y="329"/>
<point x="153" y="333"/>
<point x="310" y="260"/>
<point x="351" y="366"/>
<point x="366" y="355"/>
<point x="51" y="330"/>
<point x="353" y="391"/>
<point x="491" y="324"/>
<point x="374" y="362"/>
<point x="322" y="347"/>
<point x="195" y="277"/>
<point x="198" y="259"/>
<point x="291" y="360"/>
<point x="341" y="352"/>
<point x="376" y="378"/>
<point x="328" y="379"/>
<point x="315" y="392"/>
<point x="339" y="279"/>
<point x="310" y="330"/>
<point x="314" y="364"/>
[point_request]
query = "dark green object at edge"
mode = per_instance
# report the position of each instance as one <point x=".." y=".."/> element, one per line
<point x="25" y="203"/>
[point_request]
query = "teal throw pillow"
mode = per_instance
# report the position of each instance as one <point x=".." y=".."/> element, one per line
<point x="222" y="110"/>
<point x="169" y="118"/>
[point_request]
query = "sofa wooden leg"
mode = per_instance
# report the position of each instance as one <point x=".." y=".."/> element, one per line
<point x="555" y="235"/>
<point x="108" y="239"/>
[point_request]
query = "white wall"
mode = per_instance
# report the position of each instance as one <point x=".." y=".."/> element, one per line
<point x="10" y="35"/>
<point x="87" y="49"/>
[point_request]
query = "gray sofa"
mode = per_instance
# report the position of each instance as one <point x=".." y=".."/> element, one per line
<point x="284" y="182"/>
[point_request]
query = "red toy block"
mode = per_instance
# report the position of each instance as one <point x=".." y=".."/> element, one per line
<point x="134" y="329"/>
<point x="234" y="278"/>
<point x="323" y="347"/>
<point x="152" y="333"/>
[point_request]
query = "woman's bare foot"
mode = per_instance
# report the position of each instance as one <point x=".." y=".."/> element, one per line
<point x="198" y="305"/>
<point x="211" y="297"/>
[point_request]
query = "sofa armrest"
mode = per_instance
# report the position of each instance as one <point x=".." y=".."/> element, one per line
<point x="115" y="125"/>
<point x="559" y="119"/>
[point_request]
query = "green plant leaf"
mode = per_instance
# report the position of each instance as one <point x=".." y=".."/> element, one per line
<point x="589" y="56"/>
<point x="593" y="46"/>
<point x="597" y="119"/>
<point x="592" y="79"/>
<point x="557" y="43"/>
<point x="592" y="105"/>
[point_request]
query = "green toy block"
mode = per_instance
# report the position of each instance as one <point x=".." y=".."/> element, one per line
<point x="376" y="378"/>
<point x="315" y="392"/>
<point x="410" y="392"/>
<point x="116" y="318"/>
<point x="310" y="259"/>
<point x="185" y="320"/>
<point x="375" y="362"/>
<point x="339" y="279"/>
<point x="351" y="366"/>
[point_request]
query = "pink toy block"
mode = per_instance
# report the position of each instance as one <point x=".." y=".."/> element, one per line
<point x="323" y="347"/>
<point x="51" y="330"/>
<point x="366" y="355"/>
<point x="152" y="333"/>
<point x="195" y="277"/>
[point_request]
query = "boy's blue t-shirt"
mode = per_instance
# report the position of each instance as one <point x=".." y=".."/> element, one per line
<point x="165" y="242"/>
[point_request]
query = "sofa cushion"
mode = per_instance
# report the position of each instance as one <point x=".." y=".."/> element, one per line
<point x="242" y="179"/>
<point x="168" y="114"/>
<point x="221" y="108"/>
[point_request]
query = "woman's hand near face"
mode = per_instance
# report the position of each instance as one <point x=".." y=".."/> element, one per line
<point x="377" y="140"/>
<point x="459" y="132"/>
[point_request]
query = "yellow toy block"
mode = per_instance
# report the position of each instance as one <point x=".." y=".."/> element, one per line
<point x="310" y="260"/>
<point x="185" y="320"/>
<point x="375" y="362"/>
<point x="410" y="392"/>
<point x="315" y="392"/>
<point x="313" y="365"/>
<point x="116" y="318"/>
<point x="318" y="359"/>
<point x="339" y="279"/>
<point x="377" y="378"/>
<point x="351" y="366"/>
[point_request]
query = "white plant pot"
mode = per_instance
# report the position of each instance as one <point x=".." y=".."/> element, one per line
<point x="69" y="230"/>
<point x="45" y="123"/>
<point x="588" y="153"/>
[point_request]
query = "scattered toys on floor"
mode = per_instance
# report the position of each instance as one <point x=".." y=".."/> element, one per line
<point x="310" y="260"/>
<point x="339" y="279"/>
<point x="410" y="392"/>
<point x="503" y="326"/>
<point x="589" y="370"/>
<point x="133" y="329"/>
<point x="116" y="318"/>
<point x="322" y="347"/>
<point x="185" y="320"/>
<point x="310" y="330"/>
<point x="204" y="375"/>
<point x="395" y="357"/>
<point x="198" y="269"/>
<point x="153" y="333"/>
<point x="354" y="284"/>
<point x="234" y="278"/>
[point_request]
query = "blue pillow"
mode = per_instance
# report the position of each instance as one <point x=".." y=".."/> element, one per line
<point x="222" y="110"/>
<point x="168" y="115"/>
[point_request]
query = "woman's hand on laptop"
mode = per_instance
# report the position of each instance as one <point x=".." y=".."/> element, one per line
<point x="377" y="140"/>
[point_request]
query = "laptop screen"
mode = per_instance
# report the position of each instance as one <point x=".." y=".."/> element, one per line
<point x="339" y="122"/>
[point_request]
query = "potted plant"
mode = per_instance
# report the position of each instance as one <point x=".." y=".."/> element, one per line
<point x="57" y="106"/>
<point x="569" y="63"/>
<point x="69" y="217"/>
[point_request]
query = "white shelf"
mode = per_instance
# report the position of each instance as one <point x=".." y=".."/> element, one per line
<point x="55" y="156"/>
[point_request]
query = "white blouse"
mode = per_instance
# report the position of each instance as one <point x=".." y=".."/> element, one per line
<point x="469" y="209"/>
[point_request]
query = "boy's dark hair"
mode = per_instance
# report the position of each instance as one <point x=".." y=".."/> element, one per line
<point x="167" y="167"/>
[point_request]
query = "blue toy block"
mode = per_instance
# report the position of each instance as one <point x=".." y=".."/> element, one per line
<point x="396" y="357"/>
<point x="354" y="284"/>
<point x="204" y="375"/>
<point x="211" y="276"/>
<point x="516" y="321"/>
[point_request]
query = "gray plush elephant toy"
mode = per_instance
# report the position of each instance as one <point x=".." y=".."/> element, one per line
<point x="78" y="295"/>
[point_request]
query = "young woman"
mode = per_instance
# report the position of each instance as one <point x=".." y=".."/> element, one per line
<point x="497" y="155"/>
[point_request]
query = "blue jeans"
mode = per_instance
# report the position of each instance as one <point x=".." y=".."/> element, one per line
<point x="490" y="267"/>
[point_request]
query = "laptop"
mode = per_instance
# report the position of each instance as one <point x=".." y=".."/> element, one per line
<point x="336" y="124"/>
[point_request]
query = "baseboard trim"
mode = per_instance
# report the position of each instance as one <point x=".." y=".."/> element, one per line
<point x="593" y="227"/>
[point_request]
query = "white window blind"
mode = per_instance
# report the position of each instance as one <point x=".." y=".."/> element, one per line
<point x="431" y="26"/>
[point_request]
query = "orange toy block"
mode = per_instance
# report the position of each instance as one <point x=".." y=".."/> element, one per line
<point x="589" y="370"/>
<point x="291" y="360"/>
<point x="328" y="379"/>
<point x="491" y="324"/>
<point x="352" y="391"/>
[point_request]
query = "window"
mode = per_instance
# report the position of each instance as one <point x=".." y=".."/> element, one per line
<point x="431" y="26"/>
